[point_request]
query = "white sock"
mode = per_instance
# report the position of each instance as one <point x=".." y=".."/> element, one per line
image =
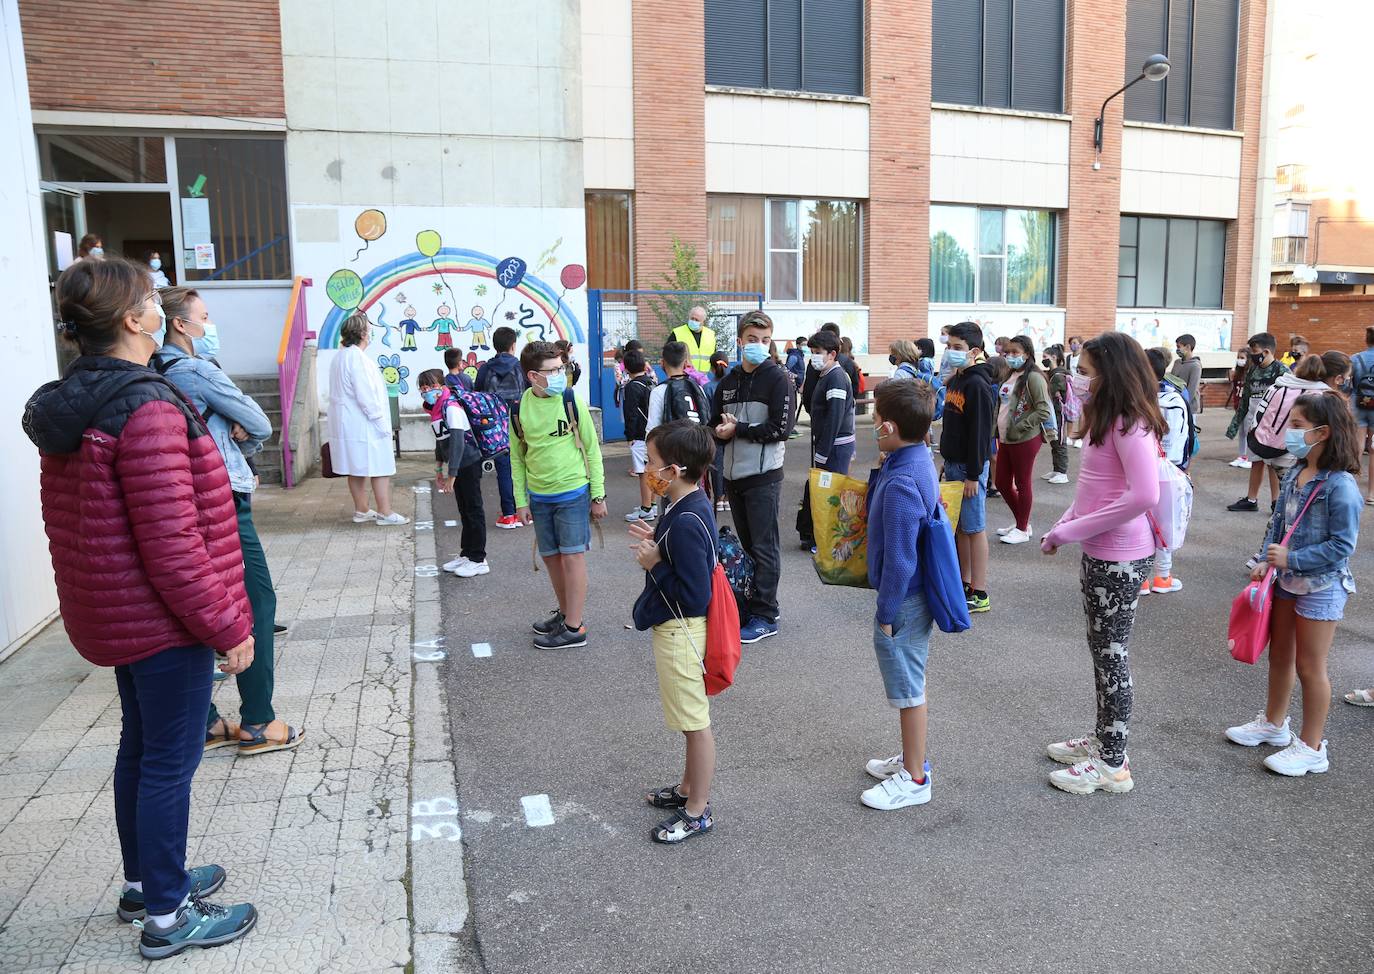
<point x="165" y="920"/>
<point x="137" y="886"/>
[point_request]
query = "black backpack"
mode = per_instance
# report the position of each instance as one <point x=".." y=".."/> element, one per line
<point x="684" y="399"/>
<point x="506" y="386"/>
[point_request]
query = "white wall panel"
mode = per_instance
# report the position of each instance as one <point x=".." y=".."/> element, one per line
<point x="994" y="158"/>
<point x="1178" y="172"/>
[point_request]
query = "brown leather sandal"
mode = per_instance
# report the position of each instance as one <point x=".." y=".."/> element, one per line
<point x="226" y="736"/>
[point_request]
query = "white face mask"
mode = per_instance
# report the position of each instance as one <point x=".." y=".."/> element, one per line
<point x="818" y="361"/>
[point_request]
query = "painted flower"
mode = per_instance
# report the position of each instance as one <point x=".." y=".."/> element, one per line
<point x="394" y="374"/>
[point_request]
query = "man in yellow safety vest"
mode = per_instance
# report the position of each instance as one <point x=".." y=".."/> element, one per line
<point x="700" y="340"/>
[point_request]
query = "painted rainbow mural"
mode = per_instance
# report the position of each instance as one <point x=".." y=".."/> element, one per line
<point x="384" y="278"/>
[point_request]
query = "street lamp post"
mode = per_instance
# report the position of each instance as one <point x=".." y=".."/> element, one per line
<point x="1155" y="68"/>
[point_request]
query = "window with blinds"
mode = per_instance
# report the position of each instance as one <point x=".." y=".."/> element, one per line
<point x="236" y="191"/>
<point x="786" y="45"/>
<point x="608" y="241"/>
<point x="792" y="250"/>
<point x="999" y="53"/>
<point x="1200" y="39"/>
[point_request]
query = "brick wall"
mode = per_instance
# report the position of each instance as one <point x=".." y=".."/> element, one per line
<point x="1328" y="321"/>
<point x="1340" y="234"/>
<point x="670" y="140"/>
<point x="1240" y="235"/>
<point x="1095" y="49"/>
<point x="897" y="224"/>
<point x="212" y="57"/>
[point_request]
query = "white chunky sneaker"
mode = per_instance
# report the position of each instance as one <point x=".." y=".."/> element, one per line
<point x="884" y="769"/>
<point x="1092" y="775"/>
<point x="1297" y="759"/>
<point x="1058" y="478"/>
<point x="471" y="569"/>
<point x="453" y="566"/>
<point x="899" y="791"/>
<point x="1016" y="536"/>
<point x="1073" y="750"/>
<point x="362" y="517"/>
<point x="1260" y="731"/>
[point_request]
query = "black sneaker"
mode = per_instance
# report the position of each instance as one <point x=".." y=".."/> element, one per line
<point x="205" y="881"/>
<point x="279" y="630"/>
<point x="1244" y="504"/>
<point x="197" y="924"/>
<point x="565" y="638"/>
<point x="551" y="625"/>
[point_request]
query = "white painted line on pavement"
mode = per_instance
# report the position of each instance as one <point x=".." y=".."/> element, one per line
<point x="424" y="525"/>
<point x="450" y="524"/>
<point x="427" y="571"/>
<point x="444" y="809"/>
<point x="538" y="812"/>
<point x="481" y="650"/>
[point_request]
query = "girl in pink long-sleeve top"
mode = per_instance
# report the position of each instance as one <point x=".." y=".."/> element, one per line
<point x="1117" y="483"/>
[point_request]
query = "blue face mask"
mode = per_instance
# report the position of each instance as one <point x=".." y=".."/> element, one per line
<point x="1016" y="361"/>
<point x="1295" y="442"/>
<point x="557" y="384"/>
<point x="956" y="358"/>
<point x="431" y="396"/>
<point x="755" y="353"/>
<point x="155" y="263"/>
<point x="207" y="346"/>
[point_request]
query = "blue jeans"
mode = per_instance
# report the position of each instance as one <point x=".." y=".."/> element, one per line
<point x="164" y="699"/>
<point x="503" y="484"/>
<point x="563" y="527"/>
<point x="902" y="656"/>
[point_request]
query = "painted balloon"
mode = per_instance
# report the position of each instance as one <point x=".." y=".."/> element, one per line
<point x="510" y="272"/>
<point x="345" y="289"/>
<point x="573" y="276"/>
<point x="428" y="242"/>
<point x="370" y="224"/>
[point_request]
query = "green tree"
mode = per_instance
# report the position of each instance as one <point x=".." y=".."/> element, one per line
<point x="684" y="274"/>
<point x="951" y="270"/>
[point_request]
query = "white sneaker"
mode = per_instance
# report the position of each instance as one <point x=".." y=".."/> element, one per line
<point x="639" y="514"/>
<point x="1297" y="759"/>
<point x="470" y="569"/>
<point x="392" y="519"/>
<point x="1016" y="536"/>
<point x="1242" y="463"/>
<point x="1092" y="775"/>
<point x="1003" y="532"/>
<point x="1077" y="444"/>
<point x="453" y="566"/>
<point x="1260" y="731"/>
<point x="882" y="770"/>
<point x="362" y="517"/>
<point x="899" y="791"/>
<point x="1073" y="750"/>
<point x="1047" y="476"/>
<point x="1058" y="478"/>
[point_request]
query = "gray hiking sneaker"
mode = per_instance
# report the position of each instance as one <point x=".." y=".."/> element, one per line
<point x="205" y="881"/>
<point x="549" y="626"/>
<point x="197" y="924"/>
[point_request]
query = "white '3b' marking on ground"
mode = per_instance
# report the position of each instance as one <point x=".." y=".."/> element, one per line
<point x="481" y="650"/>
<point x="538" y="812"/>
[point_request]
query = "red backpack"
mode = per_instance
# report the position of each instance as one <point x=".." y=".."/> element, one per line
<point x="723" y="648"/>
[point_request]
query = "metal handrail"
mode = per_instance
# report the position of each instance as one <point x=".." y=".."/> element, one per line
<point x="295" y="331"/>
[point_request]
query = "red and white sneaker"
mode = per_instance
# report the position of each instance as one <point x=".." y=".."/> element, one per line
<point x="508" y="523"/>
<point x="1072" y="751"/>
<point x="1092" y="775"/>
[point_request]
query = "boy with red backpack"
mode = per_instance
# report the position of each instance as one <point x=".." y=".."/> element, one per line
<point x="679" y="559"/>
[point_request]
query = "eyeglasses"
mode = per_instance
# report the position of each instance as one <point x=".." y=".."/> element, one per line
<point x="547" y="373"/>
<point x="155" y="298"/>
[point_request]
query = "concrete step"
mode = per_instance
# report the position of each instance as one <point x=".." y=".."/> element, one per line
<point x="254" y="384"/>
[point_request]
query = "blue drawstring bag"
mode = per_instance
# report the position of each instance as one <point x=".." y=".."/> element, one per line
<point x="941" y="580"/>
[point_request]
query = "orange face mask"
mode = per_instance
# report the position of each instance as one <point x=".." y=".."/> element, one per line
<point x="657" y="484"/>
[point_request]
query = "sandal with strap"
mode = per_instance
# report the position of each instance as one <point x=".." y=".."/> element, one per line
<point x="1360" y="698"/>
<point x="682" y="826"/>
<point x="259" y="743"/>
<point x="227" y="736"/>
<point x="667" y="797"/>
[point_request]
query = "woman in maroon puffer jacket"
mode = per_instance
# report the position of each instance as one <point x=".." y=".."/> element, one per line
<point x="144" y="543"/>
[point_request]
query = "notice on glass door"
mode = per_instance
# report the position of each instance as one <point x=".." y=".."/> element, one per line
<point x="205" y="257"/>
<point x="195" y="222"/>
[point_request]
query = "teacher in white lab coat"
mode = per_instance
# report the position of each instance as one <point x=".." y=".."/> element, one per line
<point x="360" y="425"/>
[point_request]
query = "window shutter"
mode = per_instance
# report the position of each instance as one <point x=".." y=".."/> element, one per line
<point x="1180" y="78"/>
<point x="784" y="44"/>
<point x="1213" y="96"/>
<point x="833" y="46"/>
<point x="1037" y="77"/>
<point x="736" y="42"/>
<point x="956" y="51"/>
<point x="1145" y="35"/>
<point x="997" y="53"/>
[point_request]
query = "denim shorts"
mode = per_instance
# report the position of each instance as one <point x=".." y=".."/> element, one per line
<point x="1328" y="605"/>
<point x="1364" y="418"/>
<point x="563" y="527"/>
<point x="973" y="513"/>
<point x="902" y="656"/>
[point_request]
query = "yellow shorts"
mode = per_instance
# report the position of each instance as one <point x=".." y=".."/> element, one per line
<point x="681" y="685"/>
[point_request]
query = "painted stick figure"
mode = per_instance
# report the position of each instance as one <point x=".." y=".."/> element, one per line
<point x="478" y="326"/>
<point x="444" y="325"/>
<point x="409" y="326"/>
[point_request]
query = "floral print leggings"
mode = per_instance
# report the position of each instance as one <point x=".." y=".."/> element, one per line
<point x="1111" y="590"/>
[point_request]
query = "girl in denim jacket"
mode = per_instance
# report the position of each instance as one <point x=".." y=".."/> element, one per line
<point x="1313" y="579"/>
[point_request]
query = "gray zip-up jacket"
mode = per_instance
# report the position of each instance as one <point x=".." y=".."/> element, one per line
<point x="762" y="402"/>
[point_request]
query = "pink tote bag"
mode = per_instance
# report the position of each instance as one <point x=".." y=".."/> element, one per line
<point x="1248" y="632"/>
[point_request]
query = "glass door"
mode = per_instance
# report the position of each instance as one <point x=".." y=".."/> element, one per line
<point x="64" y="222"/>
